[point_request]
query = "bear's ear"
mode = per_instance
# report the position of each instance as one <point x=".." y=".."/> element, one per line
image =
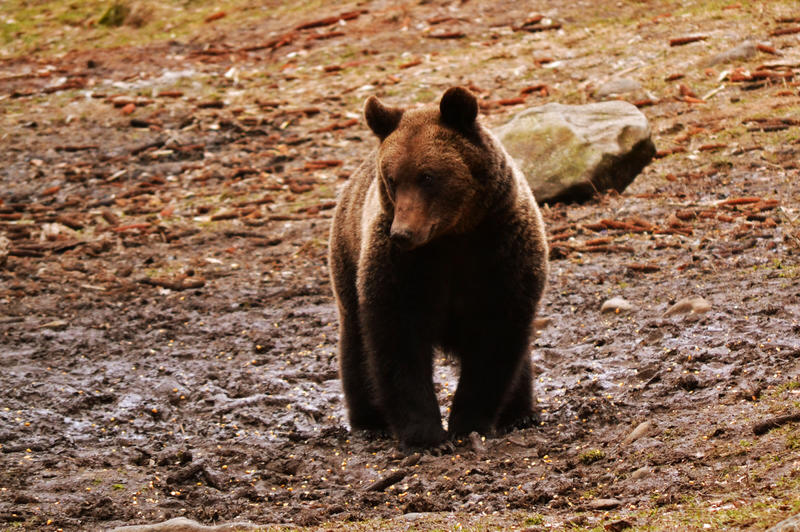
<point x="459" y="108"/>
<point x="382" y="120"/>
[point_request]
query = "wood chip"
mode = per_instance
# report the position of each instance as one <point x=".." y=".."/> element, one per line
<point x="680" y="41"/>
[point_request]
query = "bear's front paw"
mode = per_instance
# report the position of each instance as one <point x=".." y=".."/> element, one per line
<point x="368" y="420"/>
<point x="518" y="422"/>
<point x="422" y="436"/>
<point x="462" y="426"/>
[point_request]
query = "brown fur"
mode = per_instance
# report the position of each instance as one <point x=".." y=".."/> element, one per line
<point x="436" y="242"/>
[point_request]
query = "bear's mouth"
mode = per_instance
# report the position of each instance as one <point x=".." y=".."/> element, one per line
<point x="406" y="240"/>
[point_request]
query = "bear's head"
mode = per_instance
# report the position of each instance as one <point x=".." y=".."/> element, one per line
<point x="433" y="166"/>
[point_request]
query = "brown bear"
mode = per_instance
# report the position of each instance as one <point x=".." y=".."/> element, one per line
<point x="437" y="242"/>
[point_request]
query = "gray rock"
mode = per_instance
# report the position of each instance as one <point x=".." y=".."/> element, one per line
<point x="791" y="524"/>
<point x="746" y="50"/>
<point x="616" y="86"/>
<point x="572" y="152"/>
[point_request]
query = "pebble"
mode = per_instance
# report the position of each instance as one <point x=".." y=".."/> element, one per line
<point x="616" y="305"/>
<point x="617" y="86"/>
<point x="640" y="430"/>
<point x="477" y="442"/>
<point x="604" y="504"/>
<point x="693" y="305"/>
<point x="642" y="472"/>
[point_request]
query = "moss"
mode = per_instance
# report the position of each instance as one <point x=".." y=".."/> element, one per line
<point x="591" y="456"/>
<point x="115" y="15"/>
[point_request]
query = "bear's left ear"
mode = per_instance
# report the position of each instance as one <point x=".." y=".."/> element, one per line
<point x="459" y="108"/>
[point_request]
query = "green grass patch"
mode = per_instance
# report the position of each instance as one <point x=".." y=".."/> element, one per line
<point x="59" y="26"/>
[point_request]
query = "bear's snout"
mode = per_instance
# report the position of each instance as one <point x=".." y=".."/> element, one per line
<point x="402" y="238"/>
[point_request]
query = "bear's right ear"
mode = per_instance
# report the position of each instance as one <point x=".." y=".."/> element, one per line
<point x="382" y="120"/>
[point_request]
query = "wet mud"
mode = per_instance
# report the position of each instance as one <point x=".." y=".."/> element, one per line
<point x="168" y="333"/>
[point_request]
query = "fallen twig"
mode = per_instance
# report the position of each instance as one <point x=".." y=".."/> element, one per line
<point x="680" y="41"/>
<point x="388" y="480"/>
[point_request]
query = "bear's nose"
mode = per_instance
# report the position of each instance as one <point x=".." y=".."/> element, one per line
<point x="401" y="238"/>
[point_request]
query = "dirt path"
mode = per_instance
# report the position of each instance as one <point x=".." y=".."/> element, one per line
<point x="167" y="332"/>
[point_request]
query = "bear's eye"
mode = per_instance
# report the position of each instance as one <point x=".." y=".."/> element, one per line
<point x="426" y="179"/>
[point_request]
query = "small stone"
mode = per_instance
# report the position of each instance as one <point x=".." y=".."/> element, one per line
<point x="617" y="86"/>
<point x="477" y="442"/>
<point x="413" y="516"/>
<point x="693" y="305"/>
<point x="642" y="472"/>
<point x="640" y="430"/>
<point x="604" y="504"/>
<point x="616" y="305"/>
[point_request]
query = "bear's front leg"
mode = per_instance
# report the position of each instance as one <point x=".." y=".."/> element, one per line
<point x="494" y="386"/>
<point x="363" y="411"/>
<point x="402" y="370"/>
<point x="400" y="358"/>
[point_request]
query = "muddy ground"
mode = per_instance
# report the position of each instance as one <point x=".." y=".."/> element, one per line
<point x="168" y="340"/>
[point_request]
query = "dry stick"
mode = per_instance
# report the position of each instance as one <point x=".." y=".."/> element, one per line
<point x="388" y="480"/>
<point x="765" y="426"/>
